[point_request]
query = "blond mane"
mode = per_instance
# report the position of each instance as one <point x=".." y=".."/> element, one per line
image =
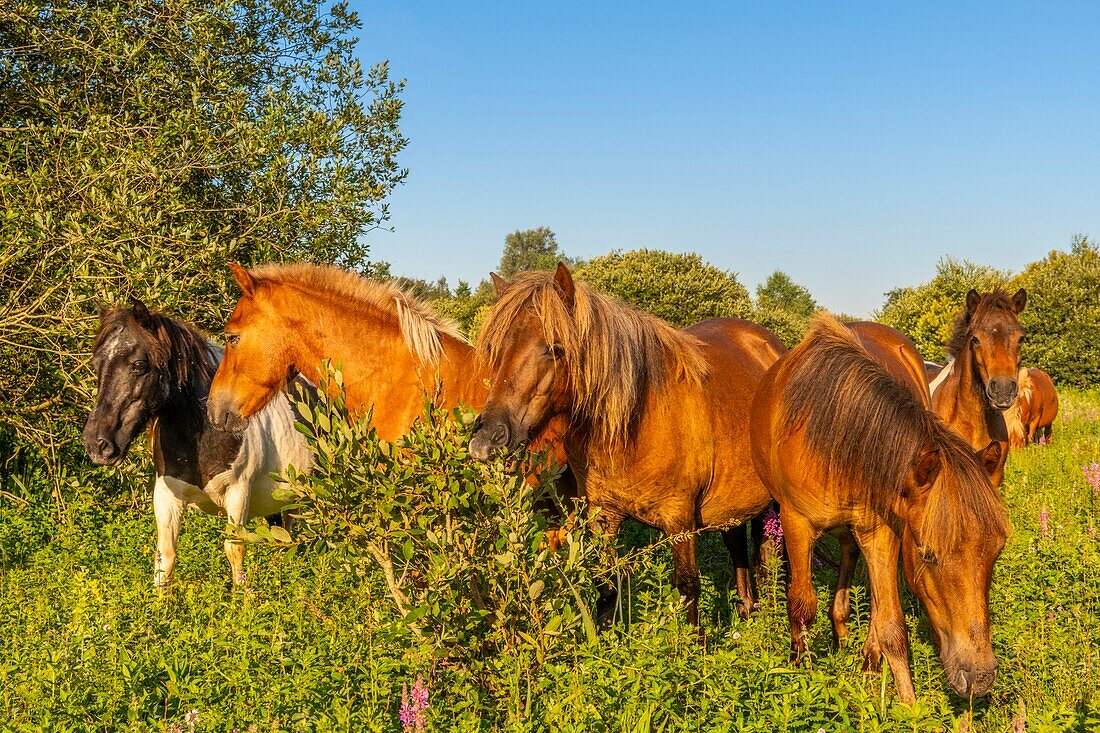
<point x="1013" y="416"/>
<point x="616" y="356"/>
<point x="422" y="329"/>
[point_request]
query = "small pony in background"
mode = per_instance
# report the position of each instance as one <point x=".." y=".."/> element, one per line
<point x="1031" y="418"/>
<point x="154" y="370"/>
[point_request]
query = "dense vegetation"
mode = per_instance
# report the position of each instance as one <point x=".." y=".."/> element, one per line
<point x="318" y="642"/>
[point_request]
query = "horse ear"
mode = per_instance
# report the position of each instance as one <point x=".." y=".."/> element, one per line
<point x="101" y="309"/>
<point x="244" y="279"/>
<point x="141" y="313"/>
<point x="926" y="469"/>
<point x="990" y="457"/>
<point x="1019" y="300"/>
<point x="499" y="283"/>
<point x="564" y="281"/>
<point x="972" y="300"/>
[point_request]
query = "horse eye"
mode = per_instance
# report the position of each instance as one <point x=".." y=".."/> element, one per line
<point x="555" y="351"/>
<point x="139" y="367"/>
<point x="975" y="341"/>
<point x="927" y="556"/>
<point x="232" y="339"/>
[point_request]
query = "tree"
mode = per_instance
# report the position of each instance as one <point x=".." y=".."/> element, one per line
<point x="925" y="312"/>
<point x="779" y="291"/>
<point x="679" y="288"/>
<point x="530" y="249"/>
<point x="1062" y="317"/>
<point x="147" y="144"/>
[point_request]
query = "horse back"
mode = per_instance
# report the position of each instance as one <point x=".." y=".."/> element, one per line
<point x="1044" y="397"/>
<point x="897" y="354"/>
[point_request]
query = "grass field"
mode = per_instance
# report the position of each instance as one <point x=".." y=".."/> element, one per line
<point x="314" y="646"/>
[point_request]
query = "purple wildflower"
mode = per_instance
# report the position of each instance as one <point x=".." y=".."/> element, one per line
<point x="1043" y="439"/>
<point x="1044" y="522"/>
<point x="1092" y="531"/>
<point x="1092" y="476"/>
<point x="414" y="705"/>
<point x="191" y="718"/>
<point x="773" y="528"/>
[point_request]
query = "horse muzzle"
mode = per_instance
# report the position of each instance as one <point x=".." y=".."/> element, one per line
<point x="1001" y="392"/>
<point x="224" y="418"/>
<point x="488" y="438"/>
<point x="972" y="681"/>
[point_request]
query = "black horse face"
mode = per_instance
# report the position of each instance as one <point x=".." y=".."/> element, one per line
<point x="131" y="386"/>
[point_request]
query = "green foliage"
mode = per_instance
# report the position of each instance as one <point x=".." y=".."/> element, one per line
<point x="680" y="288"/>
<point x="924" y="312"/>
<point x="779" y="291"/>
<point x="531" y="249"/>
<point x="1062" y="316"/>
<point x="462" y="549"/>
<point x="146" y="144"/>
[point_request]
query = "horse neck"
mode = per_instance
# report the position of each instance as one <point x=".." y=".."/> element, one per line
<point x="462" y="378"/>
<point x="960" y="403"/>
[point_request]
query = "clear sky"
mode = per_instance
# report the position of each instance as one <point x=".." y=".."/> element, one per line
<point x="849" y="144"/>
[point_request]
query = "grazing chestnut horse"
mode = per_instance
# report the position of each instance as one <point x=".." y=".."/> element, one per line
<point x="1032" y="417"/>
<point x="658" y="416"/>
<point x="843" y="437"/>
<point x="979" y="382"/>
<point x="155" y="370"/>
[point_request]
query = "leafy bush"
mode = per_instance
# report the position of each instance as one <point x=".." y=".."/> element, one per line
<point x="1062" y="316"/>
<point x="461" y="545"/>
<point x="680" y="288"/>
<point x="145" y="145"/>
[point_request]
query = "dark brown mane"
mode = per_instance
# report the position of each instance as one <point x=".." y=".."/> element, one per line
<point x="616" y="355"/>
<point x="868" y="430"/>
<point x="178" y="349"/>
<point x="996" y="301"/>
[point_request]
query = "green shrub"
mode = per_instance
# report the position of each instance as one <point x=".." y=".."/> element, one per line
<point x="462" y="545"/>
<point x="1062" y="316"/>
<point x="680" y="288"/>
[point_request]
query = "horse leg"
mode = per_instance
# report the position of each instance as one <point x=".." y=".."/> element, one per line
<point x="608" y="592"/>
<point x="799" y="538"/>
<point x="841" y="610"/>
<point x="237" y="498"/>
<point x="168" y="510"/>
<point x="685" y="576"/>
<point x="737" y="543"/>
<point x="891" y="637"/>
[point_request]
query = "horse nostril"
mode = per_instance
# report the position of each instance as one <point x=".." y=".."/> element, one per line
<point x="500" y="434"/>
<point x="103" y="446"/>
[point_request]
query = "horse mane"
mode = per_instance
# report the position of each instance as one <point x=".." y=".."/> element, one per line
<point x="422" y="329"/>
<point x="178" y="349"/>
<point x="868" y="429"/>
<point x="997" y="300"/>
<point x="616" y="356"/>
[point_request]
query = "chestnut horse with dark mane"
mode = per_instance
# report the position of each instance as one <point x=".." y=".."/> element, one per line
<point x="843" y="437"/>
<point x="658" y="416"/>
<point x="1031" y="419"/>
<point x="979" y="382"/>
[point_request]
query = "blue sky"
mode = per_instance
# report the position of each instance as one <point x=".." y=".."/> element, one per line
<point x="849" y="144"/>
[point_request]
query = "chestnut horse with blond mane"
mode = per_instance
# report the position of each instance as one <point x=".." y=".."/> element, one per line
<point x="843" y="436"/>
<point x="1031" y="419"/>
<point x="658" y="416"/>
<point x="390" y="347"/>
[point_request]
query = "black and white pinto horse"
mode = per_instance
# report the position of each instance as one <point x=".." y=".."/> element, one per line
<point x="156" y="370"/>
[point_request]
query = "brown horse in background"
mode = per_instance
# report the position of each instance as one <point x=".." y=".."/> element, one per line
<point x="658" y="415"/>
<point x="1032" y="417"/>
<point x="979" y="381"/>
<point x="843" y="437"/>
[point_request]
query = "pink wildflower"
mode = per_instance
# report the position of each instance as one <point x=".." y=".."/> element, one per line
<point x="773" y="528"/>
<point x="414" y="705"/>
<point x="1044" y="522"/>
<point x="1092" y="476"/>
